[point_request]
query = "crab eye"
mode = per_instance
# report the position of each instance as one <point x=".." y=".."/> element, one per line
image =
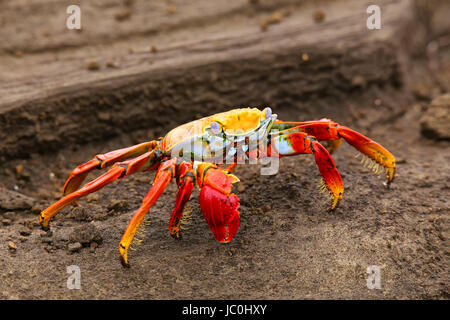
<point x="215" y="127"/>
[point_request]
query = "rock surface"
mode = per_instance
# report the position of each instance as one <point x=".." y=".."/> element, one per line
<point x="435" y="122"/>
<point x="11" y="200"/>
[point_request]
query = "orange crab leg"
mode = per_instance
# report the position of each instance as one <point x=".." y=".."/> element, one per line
<point x="164" y="175"/>
<point x="220" y="207"/>
<point x="371" y="149"/>
<point x="329" y="130"/>
<point x="300" y="143"/>
<point x="186" y="182"/>
<point x="102" y="161"/>
<point x="119" y="170"/>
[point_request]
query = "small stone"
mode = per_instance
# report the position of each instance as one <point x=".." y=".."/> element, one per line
<point x="93" y="65"/>
<point x="122" y="15"/>
<point x="85" y="235"/>
<point x="118" y="205"/>
<point x="359" y="81"/>
<point x="171" y="9"/>
<point x="319" y="16"/>
<point x="6" y="222"/>
<point x="93" y="246"/>
<point x="93" y="197"/>
<point x="435" y="122"/>
<point x="24" y="232"/>
<point x="111" y="64"/>
<point x="80" y="214"/>
<point x="10" y="215"/>
<point x="74" y="247"/>
<point x="153" y="49"/>
<point x="12" y="246"/>
<point x="274" y="18"/>
<point x="46" y="240"/>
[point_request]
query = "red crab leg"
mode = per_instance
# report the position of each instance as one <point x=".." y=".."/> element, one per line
<point x="164" y="175"/>
<point x="102" y="161"/>
<point x="371" y="149"/>
<point x="329" y="130"/>
<point x="186" y="181"/>
<point x="220" y="207"/>
<point x="119" y="170"/>
<point x="299" y="143"/>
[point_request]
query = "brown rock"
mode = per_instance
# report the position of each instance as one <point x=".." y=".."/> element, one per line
<point x="435" y="122"/>
<point x="11" y="200"/>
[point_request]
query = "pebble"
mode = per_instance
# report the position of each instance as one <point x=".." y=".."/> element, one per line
<point x="74" y="247"/>
<point x="93" y="66"/>
<point x="46" y="240"/>
<point x="24" y="232"/>
<point x="12" y="246"/>
<point x="319" y="16"/>
<point x="80" y="214"/>
<point x="9" y="215"/>
<point x="118" y="205"/>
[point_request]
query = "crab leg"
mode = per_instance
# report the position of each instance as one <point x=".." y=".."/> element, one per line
<point x="164" y="175"/>
<point x="329" y="130"/>
<point x="300" y="143"/>
<point x="102" y="161"/>
<point x="220" y="207"/>
<point x="371" y="149"/>
<point x="119" y="170"/>
<point x="186" y="182"/>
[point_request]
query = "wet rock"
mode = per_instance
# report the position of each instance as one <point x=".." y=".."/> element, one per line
<point x="435" y="122"/>
<point x="11" y="200"/>
<point x="74" y="247"/>
<point x="85" y="235"/>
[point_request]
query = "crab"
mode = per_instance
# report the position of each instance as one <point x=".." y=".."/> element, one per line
<point x="195" y="154"/>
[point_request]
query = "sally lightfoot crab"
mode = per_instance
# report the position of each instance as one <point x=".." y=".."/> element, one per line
<point x="194" y="154"/>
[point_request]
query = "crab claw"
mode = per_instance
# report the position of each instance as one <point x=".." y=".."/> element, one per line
<point x="332" y="181"/>
<point x="372" y="150"/>
<point x="220" y="207"/>
<point x="221" y="212"/>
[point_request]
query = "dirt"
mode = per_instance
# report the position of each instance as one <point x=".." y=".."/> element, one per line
<point x="287" y="246"/>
